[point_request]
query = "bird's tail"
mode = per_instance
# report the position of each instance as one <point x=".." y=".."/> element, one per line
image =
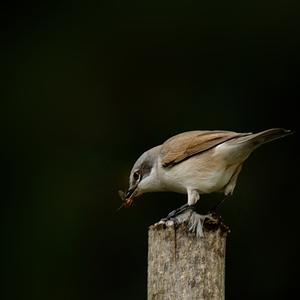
<point x="266" y="136"/>
<point x="239" y="149"/>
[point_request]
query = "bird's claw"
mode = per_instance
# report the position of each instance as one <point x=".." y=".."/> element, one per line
<point x="195" y="222"/>
<point x="179" y="211"/>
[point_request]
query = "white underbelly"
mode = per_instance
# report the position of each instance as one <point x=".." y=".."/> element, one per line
<point x="199" y="174"/>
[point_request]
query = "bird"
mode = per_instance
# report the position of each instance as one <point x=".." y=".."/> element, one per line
<point x="195" y="163"/>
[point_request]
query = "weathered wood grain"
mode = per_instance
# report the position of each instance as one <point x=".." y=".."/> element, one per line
<point x="182" y="266"/>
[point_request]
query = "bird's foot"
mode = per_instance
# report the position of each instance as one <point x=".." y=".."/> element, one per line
<point x="177" y="217"/>
<point x="173" y="214"/>
<point x="194" y="221"/>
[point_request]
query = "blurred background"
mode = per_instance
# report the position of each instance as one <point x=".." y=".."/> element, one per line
<point x="89" y="85"/>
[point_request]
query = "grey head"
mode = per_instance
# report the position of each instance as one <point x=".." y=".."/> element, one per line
<point x="141" y="176"/>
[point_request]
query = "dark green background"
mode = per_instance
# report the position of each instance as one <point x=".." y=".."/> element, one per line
<point x="88" y="86"/>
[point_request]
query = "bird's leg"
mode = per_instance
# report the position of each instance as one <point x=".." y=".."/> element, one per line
<point x="196" y="221"/>
<point x="213" y="210"/>
<point x="178" y="211"/>
<point x="193" y="197"/>
<point x="187" y="214"/>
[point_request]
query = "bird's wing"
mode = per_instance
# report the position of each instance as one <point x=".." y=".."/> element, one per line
<point x="184" y="145"/>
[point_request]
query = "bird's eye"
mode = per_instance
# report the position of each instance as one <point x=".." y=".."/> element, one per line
<point x="136" y="175"/>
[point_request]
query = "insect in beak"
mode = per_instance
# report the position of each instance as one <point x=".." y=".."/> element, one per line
<point x="126" y="199"/>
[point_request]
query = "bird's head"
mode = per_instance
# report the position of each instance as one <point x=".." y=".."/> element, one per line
<point x="142" y="177"/>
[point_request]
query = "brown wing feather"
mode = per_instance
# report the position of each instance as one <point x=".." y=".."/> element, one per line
<point x="184" y="145"/>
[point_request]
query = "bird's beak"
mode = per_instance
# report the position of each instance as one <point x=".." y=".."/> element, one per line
<point x="130" y="192"/>
<point x="128" y="197"/>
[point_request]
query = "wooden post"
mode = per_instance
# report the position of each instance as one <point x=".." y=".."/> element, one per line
<point x="183" y="266"/>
